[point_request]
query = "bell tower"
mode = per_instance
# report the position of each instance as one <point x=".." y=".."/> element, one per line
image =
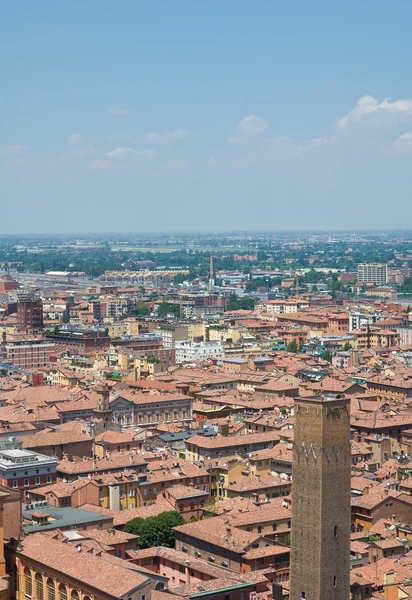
<point x="321" y="509"/>
<point x="103" y="410"/>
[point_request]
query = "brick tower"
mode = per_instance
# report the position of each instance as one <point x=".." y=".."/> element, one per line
<point x="103" y="410"/>
<point x="320" y="538"/>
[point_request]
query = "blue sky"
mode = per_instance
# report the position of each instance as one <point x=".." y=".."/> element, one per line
<point x="182" y="115"/>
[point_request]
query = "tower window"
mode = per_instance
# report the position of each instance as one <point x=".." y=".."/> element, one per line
<point x="302" y="596"/>
<point x="335" y="531"/>
<point x="334" y="581"/>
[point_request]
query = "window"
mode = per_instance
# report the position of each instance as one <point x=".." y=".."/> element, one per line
<point x="51" y="590"/>
<point x="259" y="528"/>
<point x="334" y="581"/>
<point x="335" y="531"/>
<point x="302" y="596"/>
<point x="37" y="480"/>
<point x="15" y="483"/>
<point x="28" y="582"/>
<point x="39" y="586"/>
<point x="26" y="483"/>
<point x="62" y="592"/>
<point x="16" y="579"/>
<point x="74" y="595"/>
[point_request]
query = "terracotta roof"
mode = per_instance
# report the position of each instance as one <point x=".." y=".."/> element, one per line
<point x="233" y="441"/>
<point x="218" y="532"/>
<point x="117" y="460"/>
<point x="84" y="567"/>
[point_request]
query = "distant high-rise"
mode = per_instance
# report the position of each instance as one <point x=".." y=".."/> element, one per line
<point x="373" y="273"/>
<point x="320" y="537"/>
<point x="211" y="274"/>
<point x="30" y="312"/>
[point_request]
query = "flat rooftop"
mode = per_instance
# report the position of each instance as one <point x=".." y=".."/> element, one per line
<point x="66" y="517"/>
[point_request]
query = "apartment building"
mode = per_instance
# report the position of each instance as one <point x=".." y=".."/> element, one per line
<point x="376" y="273"/>
<point x="30" y="312"/>
<point x="204" y="448"/>
<point x="23" y="469"/>
<point x="218" y="542"/>
<point x="187" y="351"/>
<point x="27" y="351"/>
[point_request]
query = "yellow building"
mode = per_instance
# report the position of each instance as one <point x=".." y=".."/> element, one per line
<point x="197" y="330"/>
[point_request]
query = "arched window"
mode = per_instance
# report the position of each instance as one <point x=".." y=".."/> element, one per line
<point x="159" y="586"/>
<point x="62" y="592"/>
<point x="39" y="587"/>
<point x="74" y="595"/>
<point x="86" y="597"/>
<point x="28" y="582"/>
<point x="51" y="589"/>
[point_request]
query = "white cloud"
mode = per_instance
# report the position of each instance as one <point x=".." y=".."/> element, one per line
<point x="123" y="151"/>
<point x="78" y="152"/>
<point x="405" y="138"/>
<point x="120" y="112"/>
<point x="118" y="153"/>
<point x="402" y="145"/>
<point x="315" y="142"/>
<point x="168" y="136"/>
<point x="13" y="150"/>
<point x="369" y="107"/>
<point x="177" y="164"/>
<point x="250" y="126"/>
<point x="74" y="139"/>
<point x="98" y="165"/>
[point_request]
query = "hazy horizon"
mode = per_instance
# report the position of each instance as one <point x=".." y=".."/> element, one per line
<point x="171" y="117"/>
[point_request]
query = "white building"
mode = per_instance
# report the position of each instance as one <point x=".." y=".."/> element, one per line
<point x="358" y="319"/>
<point x="187" y="351"/>
<point x="373" y="273"/>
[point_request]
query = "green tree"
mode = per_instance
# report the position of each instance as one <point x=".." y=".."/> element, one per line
<point x="155" y="531"/>
<point x="134" y="526"/>
<point x="166" y="308"/>
<point x="244" y="303"/>
<point x="327" y="355"/>
<point x="209" y="508"/>
<point x="287" y="539"/>
<point x="292" y="346"/>
<point x="66" y="317"/>
<point x="106" y="332"/>
<point x="142" y="309"/>
<point x="347" y="346"/>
